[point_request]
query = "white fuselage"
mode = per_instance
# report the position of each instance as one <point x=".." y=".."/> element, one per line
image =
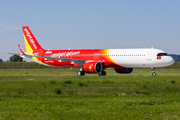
<point x="140" y="58"/>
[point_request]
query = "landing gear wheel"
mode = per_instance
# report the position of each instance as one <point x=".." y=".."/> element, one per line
<point x="153" y="71"/>
<point x="80" y="73"/>
<point x="153" y="74"/>
<point x="102" y="73"/>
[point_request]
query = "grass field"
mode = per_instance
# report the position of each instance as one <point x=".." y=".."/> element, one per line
<point x="61" y="94"/>
<point x="28" y="65"/>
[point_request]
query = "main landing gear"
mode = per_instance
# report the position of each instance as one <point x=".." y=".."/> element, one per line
<point x="102" y="73"/>
<point x="81" y="72"/>
<point x="153" y="71"/>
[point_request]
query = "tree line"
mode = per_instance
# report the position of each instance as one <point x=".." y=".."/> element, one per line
<point x="14" y="58"/>
<point x="176" y="57"/>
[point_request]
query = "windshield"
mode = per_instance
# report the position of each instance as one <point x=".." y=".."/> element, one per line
<point x="162" y="54"/>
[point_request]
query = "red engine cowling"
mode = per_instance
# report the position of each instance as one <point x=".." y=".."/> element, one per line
<point x="123" y="70"/>
<point x="92" y="67"/>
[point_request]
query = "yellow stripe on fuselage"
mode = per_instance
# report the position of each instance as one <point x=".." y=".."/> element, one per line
<point x="106" y="52"/>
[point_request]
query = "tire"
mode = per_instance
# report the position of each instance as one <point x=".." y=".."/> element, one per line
<point x="80" y="73"/>
<point x="153" y="74"/>
<point x="102" y="73"/>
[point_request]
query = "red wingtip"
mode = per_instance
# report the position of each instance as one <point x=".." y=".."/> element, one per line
<point x="21" y="49"/>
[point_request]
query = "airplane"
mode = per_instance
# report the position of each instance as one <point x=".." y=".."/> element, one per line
<point x="94" y="60"/>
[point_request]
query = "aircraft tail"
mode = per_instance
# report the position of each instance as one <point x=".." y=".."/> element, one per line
<point x="31" y="43"/>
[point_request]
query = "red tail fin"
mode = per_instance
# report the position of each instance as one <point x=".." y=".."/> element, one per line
<point x="30" y="41"/>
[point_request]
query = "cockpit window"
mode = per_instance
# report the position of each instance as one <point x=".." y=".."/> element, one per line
<point x="162" y="54"/>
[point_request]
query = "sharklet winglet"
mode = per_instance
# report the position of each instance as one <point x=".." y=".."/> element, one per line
<point x="22" y="51"/>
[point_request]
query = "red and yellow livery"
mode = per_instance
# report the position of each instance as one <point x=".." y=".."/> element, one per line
<point x="94" y="60"/>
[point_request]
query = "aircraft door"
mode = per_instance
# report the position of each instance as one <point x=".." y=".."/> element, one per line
<point x="149" y="55"/>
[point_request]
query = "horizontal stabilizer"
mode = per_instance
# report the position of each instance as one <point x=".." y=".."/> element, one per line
<point x="29" y="57"/>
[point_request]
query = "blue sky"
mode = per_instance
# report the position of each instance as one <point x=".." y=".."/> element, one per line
<point x="80" y="24"/>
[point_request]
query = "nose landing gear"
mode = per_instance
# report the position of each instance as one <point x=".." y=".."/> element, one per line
<point x="153" y="71"/>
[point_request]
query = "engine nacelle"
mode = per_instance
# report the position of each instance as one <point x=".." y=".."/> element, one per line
<point x="92" y="67"/>
<point x="123" y="70"/>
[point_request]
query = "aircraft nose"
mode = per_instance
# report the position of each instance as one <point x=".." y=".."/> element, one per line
<point x="171" y="61"/>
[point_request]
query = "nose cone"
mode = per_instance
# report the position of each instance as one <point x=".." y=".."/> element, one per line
<point x="170" y="61"/>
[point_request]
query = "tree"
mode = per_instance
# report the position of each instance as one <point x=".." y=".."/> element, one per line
<point x="1" y="60"/>
<point x="176" y="57"/>
<point x="15" y="58"/>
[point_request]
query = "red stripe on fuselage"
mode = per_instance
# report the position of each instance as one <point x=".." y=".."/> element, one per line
<point x="88" y="55"/>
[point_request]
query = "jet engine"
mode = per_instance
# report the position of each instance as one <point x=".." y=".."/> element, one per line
<point x="123" y="70"/>
<point x="92" y="67"/>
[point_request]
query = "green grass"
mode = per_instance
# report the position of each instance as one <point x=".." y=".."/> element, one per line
<point x="175" y="65"/>
<point x="27" y="65"/>
<point x="61" y="94"/>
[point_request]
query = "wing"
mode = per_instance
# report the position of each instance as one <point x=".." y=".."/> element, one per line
<point x="30" y="57"/>
<point x="75" y="61"/>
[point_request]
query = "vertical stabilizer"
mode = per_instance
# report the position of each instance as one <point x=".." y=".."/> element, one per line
<point x="30" y="41"/>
